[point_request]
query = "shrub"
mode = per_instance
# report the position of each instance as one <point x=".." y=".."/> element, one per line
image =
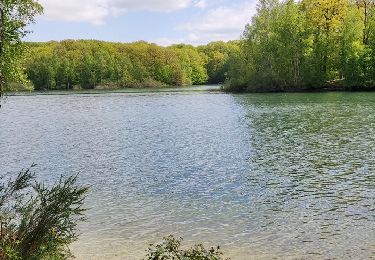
<point x="170" y="249"/>
<point x="41" y="220"/>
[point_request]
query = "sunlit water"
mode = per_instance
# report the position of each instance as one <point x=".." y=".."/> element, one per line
<point x="267" y="176"/>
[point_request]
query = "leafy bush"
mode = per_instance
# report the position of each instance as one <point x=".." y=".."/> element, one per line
<point x="170" y="249"/>
<point x="41" y="221"/>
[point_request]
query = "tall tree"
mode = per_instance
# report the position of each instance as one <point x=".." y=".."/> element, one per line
<point x="325" y="19"/>
<point x="292" y="45"/>
<point x="15" y="16"/>
<point x="367" y="8"/>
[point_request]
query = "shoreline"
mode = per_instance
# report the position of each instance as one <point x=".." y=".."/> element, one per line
<point x="172" y="89"/>
<point x="304" y="90"/>
<point x="184" y="89"/>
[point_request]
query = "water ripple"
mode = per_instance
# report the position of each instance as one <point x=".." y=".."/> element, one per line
<point x="265" y="176"/>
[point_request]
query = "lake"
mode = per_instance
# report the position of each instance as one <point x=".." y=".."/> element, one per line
<point x="266" y="176"/>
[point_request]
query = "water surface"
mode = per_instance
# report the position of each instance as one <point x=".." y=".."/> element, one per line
<point x="267" y="176"/>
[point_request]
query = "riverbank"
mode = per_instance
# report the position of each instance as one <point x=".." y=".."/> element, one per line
<point x="200" y="88"/>
<point x="188" y="89"/>
<point x="299" y="90"/>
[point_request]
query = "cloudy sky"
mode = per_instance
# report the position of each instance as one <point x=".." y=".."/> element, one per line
<point x="162" y="21"/>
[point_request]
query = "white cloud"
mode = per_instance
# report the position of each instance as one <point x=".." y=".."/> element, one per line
<point x="95" y="11"/>
<point x="150" y="5"/>
<point x="202" y="4"/>
<point x="168" y="41"/>
<point x="217" y="20"/>
<point x="221" y="23"/>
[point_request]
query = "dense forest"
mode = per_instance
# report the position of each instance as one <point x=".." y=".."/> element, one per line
<point x="293" y="45"/>
<point x="90" y="64"/>
<point x="289" y="45"/>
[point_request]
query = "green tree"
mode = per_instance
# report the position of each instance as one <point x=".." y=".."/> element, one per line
<point x="325" y="20"/>
<point x="293" y="45"/>
<point x="367" y="8"/>
<point x="352" y="50"/>
<point x="218" y="54"/>
<point x="41" y="220"/>
<point x="95" y="64"/>
<point x="15" y="15"/>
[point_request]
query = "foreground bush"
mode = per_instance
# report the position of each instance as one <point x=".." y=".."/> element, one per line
<point x="39" y="222"/>
<point x="170" y="249"/>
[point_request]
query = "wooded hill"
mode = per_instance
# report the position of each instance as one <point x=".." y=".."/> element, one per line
<point x="288" y="46"/>
<point x="93" y="64"/>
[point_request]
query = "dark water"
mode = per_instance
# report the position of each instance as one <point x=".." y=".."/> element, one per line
<point x="279" y="176"/>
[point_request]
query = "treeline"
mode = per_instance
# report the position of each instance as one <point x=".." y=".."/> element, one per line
<point x="90" y="64"/>
<point x="289" y="45"/>
<point x="293" y="45"/>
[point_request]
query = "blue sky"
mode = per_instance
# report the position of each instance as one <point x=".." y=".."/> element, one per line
<point x="161" y="21"/>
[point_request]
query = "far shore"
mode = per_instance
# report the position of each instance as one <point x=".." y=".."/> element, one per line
<point x="166" y="89"/>
<point x="301" y="90"/>
<point x="188" y="89"/>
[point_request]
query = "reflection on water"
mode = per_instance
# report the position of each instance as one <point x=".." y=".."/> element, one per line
<point x="265" y="176"/>
<point x="314" y="168"/>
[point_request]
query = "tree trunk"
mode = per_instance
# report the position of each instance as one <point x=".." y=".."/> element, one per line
<point x="2" y="80"/>
<point x="367" y="6"/>
<point x="365" y="32"/>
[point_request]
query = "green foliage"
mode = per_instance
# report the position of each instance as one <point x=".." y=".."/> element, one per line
<point x="170" y="249"/>
<point x="102" y="65"/>
<point x="41" y="221"/>
<point x="293" y="45"/>
<point x="15" y="16"/>
<point x="238" y="71"/>
<point x="218" y="54"/>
